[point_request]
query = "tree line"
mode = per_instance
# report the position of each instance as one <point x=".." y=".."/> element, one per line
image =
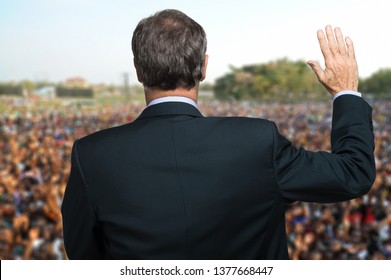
<point x="286" y="80"/>
<point x="278" y="80"/>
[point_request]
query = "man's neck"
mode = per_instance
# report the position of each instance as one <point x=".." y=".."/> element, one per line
<point x="153" y="93"/>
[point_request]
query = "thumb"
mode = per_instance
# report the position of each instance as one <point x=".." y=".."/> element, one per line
<point x="316" y="68"/>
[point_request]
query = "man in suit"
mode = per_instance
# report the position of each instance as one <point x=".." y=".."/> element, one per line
<point x="174" y="184"/>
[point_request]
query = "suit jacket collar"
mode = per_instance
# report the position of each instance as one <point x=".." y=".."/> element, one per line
<point x="169" y="108"/>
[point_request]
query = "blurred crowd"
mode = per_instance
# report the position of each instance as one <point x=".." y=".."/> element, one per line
<point x="35" y="147"/>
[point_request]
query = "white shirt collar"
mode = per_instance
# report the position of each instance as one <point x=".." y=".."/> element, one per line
<point x="172" y="99"/>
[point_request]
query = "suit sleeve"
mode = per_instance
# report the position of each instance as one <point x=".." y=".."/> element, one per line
<point x="345" y="173"/>
<point x="82" y="235"/>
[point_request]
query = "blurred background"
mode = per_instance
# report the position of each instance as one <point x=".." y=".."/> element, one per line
<point x="66" y="70"/>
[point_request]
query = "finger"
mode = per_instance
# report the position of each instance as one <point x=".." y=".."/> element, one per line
<point x="340" y="40"/>
<point x="324" y="47"/>
<point x="317" y="69"/>
<point x="350" y="47"/>
<point x="331" y="40"/>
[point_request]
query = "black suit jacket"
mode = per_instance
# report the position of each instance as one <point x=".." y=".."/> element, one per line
<point x="176" y="185"/>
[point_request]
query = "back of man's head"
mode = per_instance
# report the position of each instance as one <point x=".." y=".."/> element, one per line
<point x="169" y="50"/>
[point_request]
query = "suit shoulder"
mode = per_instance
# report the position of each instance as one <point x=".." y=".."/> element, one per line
<point x="240" y="121"/>
<point x="252" y="128"/>
<point x="237" y="119"/>
<point x="106" y="134"/>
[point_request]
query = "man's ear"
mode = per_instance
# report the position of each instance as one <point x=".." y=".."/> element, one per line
<point x="138" y="75"/>
<point x="205" y="66"/>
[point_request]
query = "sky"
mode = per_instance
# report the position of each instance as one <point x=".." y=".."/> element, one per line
<point x="57" y="39"/>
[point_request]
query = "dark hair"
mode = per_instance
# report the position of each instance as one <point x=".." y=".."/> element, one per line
<point x="169" y="50"/>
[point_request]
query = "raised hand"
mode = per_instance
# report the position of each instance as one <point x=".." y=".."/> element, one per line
<point x="341" y="72"/>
